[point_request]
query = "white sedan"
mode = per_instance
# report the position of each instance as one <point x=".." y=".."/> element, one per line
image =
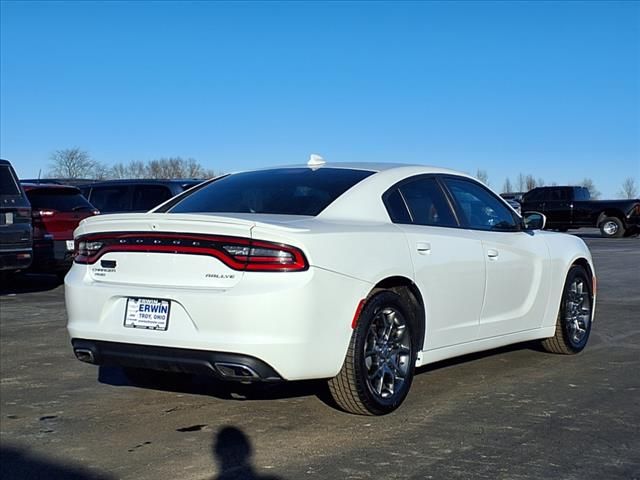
<point x="356" y="273"/>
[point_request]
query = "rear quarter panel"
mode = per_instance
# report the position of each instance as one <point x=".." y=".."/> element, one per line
<point x="564" y="251"/>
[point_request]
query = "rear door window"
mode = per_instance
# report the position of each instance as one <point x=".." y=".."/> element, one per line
<point x="427" y="203"/>
<point x="285" y="191"/>
<point x="8" y="184"/>
<point x="109" y="199"/>
<point x="146" y="197"/>
<point x="61" y="200"/>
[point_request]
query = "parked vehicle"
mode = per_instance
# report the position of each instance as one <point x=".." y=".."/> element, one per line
<point x="59" y="181"/>
<point x="515" y="205"/>
<point x="117" y="196"/>
<point x="16" y="250"/>
<point x="56" y="212"/>
<point x="355" y="273"/>
<point x="569" y="207"/>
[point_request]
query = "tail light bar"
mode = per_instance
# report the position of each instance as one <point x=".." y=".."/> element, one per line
<point x="242" y="254"/>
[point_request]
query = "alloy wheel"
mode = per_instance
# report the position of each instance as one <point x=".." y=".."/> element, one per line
<point x="578" y="310"/>
<point x="387" y="353"/>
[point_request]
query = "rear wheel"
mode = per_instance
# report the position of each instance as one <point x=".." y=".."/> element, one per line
<point x="378" y="369"/>
<point x="573" y="325"/>
<point x="611" y="227"/>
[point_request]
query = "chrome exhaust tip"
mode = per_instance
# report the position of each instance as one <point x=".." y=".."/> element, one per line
<point x="85" y="355"/>
<point x="236" y="371"/>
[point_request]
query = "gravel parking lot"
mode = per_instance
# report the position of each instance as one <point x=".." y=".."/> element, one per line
<point x="511" y="413"/>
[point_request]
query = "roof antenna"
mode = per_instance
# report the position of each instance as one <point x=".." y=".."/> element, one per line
<point x="39" y="173"/>
<point x="315" y="160"/>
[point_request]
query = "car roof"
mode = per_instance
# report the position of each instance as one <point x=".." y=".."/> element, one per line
<point x="377" y="167"/>
<point x="29" y="187"/>
<point x="143" y="181"/>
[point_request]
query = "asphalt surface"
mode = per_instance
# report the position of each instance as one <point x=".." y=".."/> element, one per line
<point x="511" y="413"/>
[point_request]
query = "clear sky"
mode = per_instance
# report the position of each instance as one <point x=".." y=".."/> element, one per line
<point x="547" y="88"/>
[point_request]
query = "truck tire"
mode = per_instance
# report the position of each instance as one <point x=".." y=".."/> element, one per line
<point x="611" y="227"/>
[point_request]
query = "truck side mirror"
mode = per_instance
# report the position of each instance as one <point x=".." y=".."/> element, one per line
<point x="534" y="220"/>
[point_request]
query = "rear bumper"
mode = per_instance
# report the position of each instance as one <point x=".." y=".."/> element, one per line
<point x="51" y="256"/>
<point x="299" y="324"/>
<point x="16" y="259"/>
<point x="226" y="366"/>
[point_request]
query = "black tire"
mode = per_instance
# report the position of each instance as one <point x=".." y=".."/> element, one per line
<point x="389" y="354"/>
<point x="573" y="328"/>
<point x="611" y="227"/>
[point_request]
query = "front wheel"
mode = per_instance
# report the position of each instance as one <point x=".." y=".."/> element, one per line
<point x="611" y="227"/>
<point x="573" y="325"/>
<point x="378" y="369"/>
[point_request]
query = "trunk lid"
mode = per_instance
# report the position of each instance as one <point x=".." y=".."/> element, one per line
<point x="161" y="231"/>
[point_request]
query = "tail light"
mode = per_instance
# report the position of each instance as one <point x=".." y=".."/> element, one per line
<point x="23" y="213"/>
<point x="42" y="213"/>
<point x="237" y="253"/>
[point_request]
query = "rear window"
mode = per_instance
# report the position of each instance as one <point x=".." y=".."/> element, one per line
<point x="8" y="184"/>
<point x="146" y="197"/>
<point x="111" y="199"/>
<point x="62" y="200"/>
<point x="284" y="191"/>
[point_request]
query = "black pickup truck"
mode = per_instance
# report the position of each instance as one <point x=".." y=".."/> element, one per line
<point x="571" y="207"/>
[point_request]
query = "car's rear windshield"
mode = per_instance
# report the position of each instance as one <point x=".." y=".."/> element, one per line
<point x="284" y="191"/>
<point x="62" y="200"/>
<point x="8" y="184"/>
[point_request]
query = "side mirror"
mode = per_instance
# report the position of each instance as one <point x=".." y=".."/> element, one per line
<point x="534" y="220"/>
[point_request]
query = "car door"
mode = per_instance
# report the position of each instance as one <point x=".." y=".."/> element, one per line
<point x="558" y="206"/>
<point x="517" y="261"/>
<point x="448" y="261"/>
<point x="533" y="201"/>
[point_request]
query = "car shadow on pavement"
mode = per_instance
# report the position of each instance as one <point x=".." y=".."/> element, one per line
<point x="15" y="284"/>
<point x="211" y="386"/>
<point x="19" y="464"/>
<point x="232" y="451"/>
<point x="532" y="345"/>
<point x="227" y="390"/>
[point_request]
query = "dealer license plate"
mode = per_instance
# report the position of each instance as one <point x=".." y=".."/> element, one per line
<point x="69" y="244"/>
<point x="148" y="313"/>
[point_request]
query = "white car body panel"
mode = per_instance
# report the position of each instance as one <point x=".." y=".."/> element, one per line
<point x="300" y="323"/>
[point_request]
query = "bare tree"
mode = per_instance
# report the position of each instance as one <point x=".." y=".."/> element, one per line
<point x="507" y="188"/>
<point x="162" y="168"/>
<point x="483" y="176"/>
<point x="629" y="188"/>
<point x="521" y="182"/>
<point x="74" y="163"/>
<point x="529" y="182"/>
<point x="589" y="185"/>
<point x="540" y="182"/>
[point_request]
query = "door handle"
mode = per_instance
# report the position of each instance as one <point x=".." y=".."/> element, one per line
<point x="492" y="254"/>
<point x="423" y="248"/>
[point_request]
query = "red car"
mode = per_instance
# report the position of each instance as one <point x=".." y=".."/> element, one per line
<point x="56" y="212"/>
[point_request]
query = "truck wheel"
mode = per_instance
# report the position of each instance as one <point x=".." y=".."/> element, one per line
<point x="378" y="369"/>
<point x="611" y="227"/>
<point x="573" y="325"/>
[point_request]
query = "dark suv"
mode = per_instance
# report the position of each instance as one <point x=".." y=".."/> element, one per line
<point x="15" y="222"/>
<point x="56" y="211"/>
<point x="118" y="196"/>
